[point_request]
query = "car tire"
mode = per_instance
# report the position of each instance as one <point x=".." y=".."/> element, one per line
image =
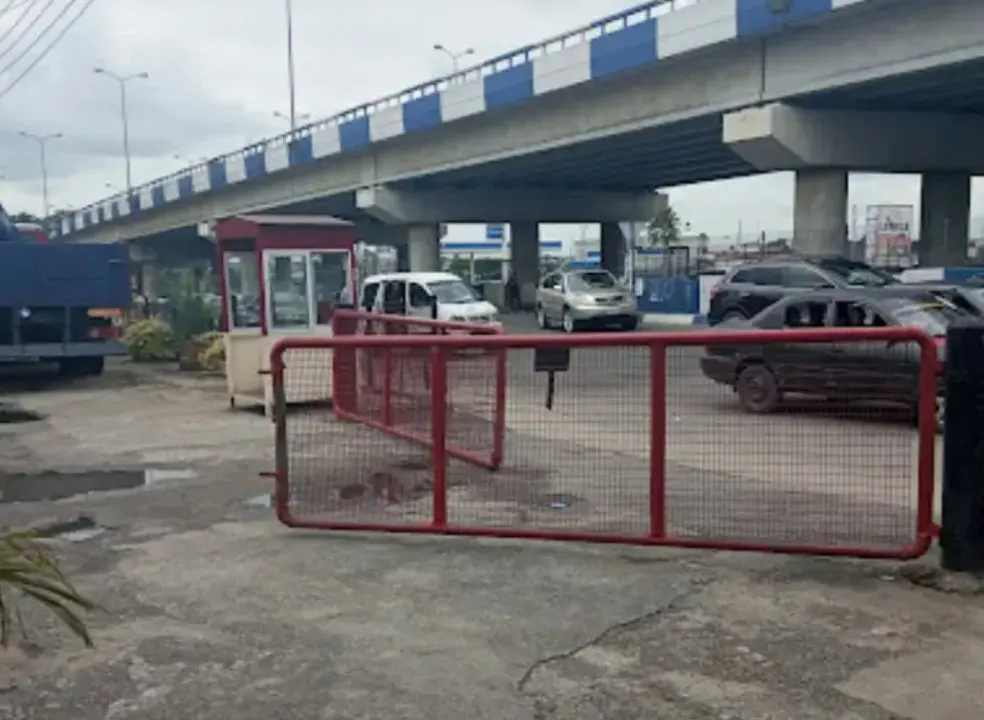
<point x="630" y="324"/>
<point x="541" y="319"/>
<point x="758" y="388"/>
<point x="734" y="315"/>
<point x="569" y="323"/>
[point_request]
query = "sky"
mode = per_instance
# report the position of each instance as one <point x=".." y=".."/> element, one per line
<point x="218" y="72"/>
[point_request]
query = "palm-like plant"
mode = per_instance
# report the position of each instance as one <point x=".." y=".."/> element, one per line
<point x="28" y="568"/>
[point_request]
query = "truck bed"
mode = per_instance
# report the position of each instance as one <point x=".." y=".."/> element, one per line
<point x="66" y="275"/>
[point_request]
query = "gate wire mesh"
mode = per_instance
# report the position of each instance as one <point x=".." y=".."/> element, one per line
<point x="834" y="468"/>
<point x="386" y="392"/>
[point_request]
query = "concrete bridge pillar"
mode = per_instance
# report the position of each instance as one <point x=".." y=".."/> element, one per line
<point x="944" y="219"/>
<point x="614" y="246"/>
<point x="820" y="212"/>
<point x="424" y="247"/>
<point x="524" y="260"/>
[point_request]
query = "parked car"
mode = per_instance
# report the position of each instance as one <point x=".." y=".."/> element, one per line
<point x="750" y="288"/>
<point x="438" y="295"/>
<point x="868" y="371"/>
<point x="584" y="298"/>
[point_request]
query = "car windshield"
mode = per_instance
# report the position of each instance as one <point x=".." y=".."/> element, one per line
<point x="857" y="273"/>
<point x="451" y="291"/>
<point x="591" y="281"/>
<point x="931" y="313"/>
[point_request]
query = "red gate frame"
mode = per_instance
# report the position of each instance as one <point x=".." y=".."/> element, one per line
<point x="441" y="346"/>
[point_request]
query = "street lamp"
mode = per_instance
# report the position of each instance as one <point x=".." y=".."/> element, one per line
<point x="455" y="56"/>
<point x="303" y="117"/>
<point x="122" y="80"/>
<point x="42" y="141"/>
<point x="292" y="117"/>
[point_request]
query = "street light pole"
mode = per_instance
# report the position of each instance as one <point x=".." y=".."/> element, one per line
<point x="292" y="106"/>
<point x="122" y="80"/>
<point x="455" y="56"/>
<point x="42" y="141"/>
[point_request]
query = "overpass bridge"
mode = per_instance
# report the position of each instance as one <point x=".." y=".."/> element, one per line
<point x="585" y="126"/>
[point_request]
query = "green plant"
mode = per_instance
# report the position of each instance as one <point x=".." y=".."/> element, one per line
<point x="150" y="340"/>
<point x="28" y="569"/>
<point x="211" y="355"/>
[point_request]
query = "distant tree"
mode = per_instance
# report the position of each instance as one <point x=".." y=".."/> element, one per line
<point x="23" y="217"/>
<point x="663" y="231"/>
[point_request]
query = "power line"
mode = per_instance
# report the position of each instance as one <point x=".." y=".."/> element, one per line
<point x="16" y="24"/>
<point x="27" y="29"/>
<point x="44" y="53"/>
<point x="40" y="36"/>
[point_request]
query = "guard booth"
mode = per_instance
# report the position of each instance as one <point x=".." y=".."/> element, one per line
<point x="281" y="276"/>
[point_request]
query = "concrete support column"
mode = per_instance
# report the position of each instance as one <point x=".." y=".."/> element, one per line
<point x="613" y="248"/>
<point x="944" y="219"/>
<point x="524" y="260"/>
<point x="820" y="212"/>
<point x="424" y="248"/>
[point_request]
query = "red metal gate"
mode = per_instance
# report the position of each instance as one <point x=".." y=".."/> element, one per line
<point x="646" y="443"/>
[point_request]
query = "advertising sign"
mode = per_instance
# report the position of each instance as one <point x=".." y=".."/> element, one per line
<point x="888" y="233"/>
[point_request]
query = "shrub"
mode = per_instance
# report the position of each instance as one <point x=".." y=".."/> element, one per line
<point x="212" y="353"/>
<point x="29" y="570"/>
<point x="150" y="340"/>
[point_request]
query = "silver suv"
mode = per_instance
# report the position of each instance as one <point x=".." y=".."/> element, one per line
<point x="581" y="298"/>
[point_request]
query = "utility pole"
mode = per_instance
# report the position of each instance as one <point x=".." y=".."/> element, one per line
<point x="42" y="141"/>
<point x="292" y="99"/>
<point x="122" y="80"/>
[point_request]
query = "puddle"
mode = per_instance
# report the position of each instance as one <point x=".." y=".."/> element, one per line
<point x="35" y="487"/>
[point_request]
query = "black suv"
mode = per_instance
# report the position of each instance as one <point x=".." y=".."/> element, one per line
<point x="748" y="289"/>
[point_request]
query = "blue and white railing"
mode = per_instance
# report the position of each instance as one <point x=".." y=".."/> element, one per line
<point x="630" y="39"/>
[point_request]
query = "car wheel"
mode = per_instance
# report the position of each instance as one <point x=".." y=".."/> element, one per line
<point x="758" y="389"/>
<point x="569" y="324"/>
<point x="734" y="315"/>
<point x="630" y="324"/>
<point x="541" y="319"/>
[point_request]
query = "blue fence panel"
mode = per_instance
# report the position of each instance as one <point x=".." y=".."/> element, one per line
<point x="672" y="295"/>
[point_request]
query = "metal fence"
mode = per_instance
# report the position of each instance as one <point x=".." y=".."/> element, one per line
<point x="639" y="443"/>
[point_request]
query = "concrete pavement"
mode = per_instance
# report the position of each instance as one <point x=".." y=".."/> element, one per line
<point x="215" y="611"/>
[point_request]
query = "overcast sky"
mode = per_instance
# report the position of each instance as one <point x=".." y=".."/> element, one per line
<point x="218" y="73"/>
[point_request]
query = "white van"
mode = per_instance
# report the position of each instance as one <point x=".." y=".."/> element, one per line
<point x="416" y="293"/>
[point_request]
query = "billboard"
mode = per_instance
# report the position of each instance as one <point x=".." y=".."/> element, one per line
<point x="888" y="235"/>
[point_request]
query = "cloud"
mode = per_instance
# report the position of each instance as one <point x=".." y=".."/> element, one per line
<point x="218" y="72"/>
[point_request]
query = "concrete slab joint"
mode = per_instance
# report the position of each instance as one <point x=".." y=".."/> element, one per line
<point x="412" y="207"/>
<point x="780" y="136"/>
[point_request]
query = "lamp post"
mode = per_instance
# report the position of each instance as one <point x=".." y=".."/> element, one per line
<point x="122" y="80"/>
<point x="292" y="102"/>
<point x="455" y="56"/>
<point x="42" y="141"/>
<point x="303" y="117"/>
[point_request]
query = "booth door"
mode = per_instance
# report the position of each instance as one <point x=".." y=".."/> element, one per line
<point x="332" y="281"/>
<point x="288" y="288"/>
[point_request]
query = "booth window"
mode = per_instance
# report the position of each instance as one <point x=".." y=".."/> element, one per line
<point x="243" y="288"/>
<point x="330" y="271"/>
<point x="289" y="298"/>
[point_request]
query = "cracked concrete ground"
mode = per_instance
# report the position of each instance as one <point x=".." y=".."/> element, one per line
<point x="213" y="610"/>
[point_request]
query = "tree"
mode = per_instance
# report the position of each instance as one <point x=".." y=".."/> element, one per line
<point x="664" y="230"/>
<point x="24" y="217"/>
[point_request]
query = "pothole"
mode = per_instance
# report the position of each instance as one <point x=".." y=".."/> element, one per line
<point x="36" y="487"/>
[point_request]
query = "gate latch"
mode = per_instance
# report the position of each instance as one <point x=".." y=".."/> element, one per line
<point x="551" y="360"/>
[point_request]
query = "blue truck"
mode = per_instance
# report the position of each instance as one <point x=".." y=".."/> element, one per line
<point x="61" y="303"/>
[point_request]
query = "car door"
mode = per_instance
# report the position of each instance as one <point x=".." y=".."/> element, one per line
<point x="551" y="297"/>
<point x="764" y="287"/>
<point x="799" y="367"/>
<point x="870" y="369"/>
<point x="419" y="302"/>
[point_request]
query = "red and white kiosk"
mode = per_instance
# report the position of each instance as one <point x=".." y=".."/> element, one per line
<point x="280" y="276"/>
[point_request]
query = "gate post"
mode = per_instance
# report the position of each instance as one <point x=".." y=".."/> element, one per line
<point x="962" y="527"/>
